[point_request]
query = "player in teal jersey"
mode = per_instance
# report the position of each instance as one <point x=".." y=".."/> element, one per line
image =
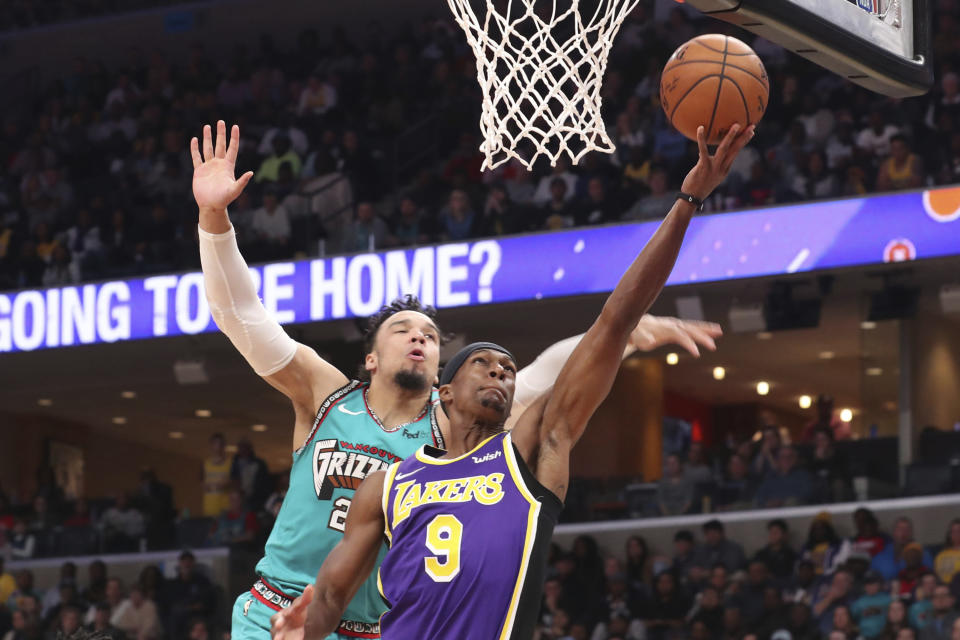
<point x="344" y="430"/>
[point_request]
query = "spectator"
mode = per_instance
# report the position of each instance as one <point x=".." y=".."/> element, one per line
<point x="823" y="546"/>
<point x="665" y="611"/>
<point x="913" y="568"/>
<point x="96" y="583"/>
<point x="24" y="597"/>
<point x="814" y="181"/>
<point x="68" y="622"/>
<point x="269" y="169"/>
<point x="409" y="226"/>
<point x="737" y="489"/>
<point x="216" y="478"/>
<point x="367" y="232"/>
<point x="137" y="616"/>
<point x="101" y="623"/>
<point x="870" y="610"/>
<point x="561" y="171"/>
<point x="751" y="595"/>
<point x="826" y="419"/>
<point x="557" y="213"/>
<point x="733" y="625"/>
<point x="598" y="207"/>
<point x="896" y="620"/>
<point x="250" y="473"/>
<point x="919" y="613"/>
<point x="902" y="170"/>
<point x="838" y="594"/>
<point x="639" y="565"/>
<point x="697" y="470"/>
<point x="778" y="556"/>
<point x="889" y="562"/>
<point x="717" y="549"/>
<point x="868" y="537"/>
<point x="189" y="595"/>
<point x="463" y="168"/>
<point x="657" y="203"/>
<point x="708" y="608"/>
<point x="674" y="491"/>
<point x="7" y="582"/>
<point x="875" y="139"/>
<point x="683" y="564"/>
<point x="113" y="597"/>
<point x="787" y="485"/>
<point x="458" y="219"/>
<point x="123" y="526"/>
<point x="942" y="617"/>
<point x="22" y="544"/>
<point x="271" y="224"/>
<point x="829" y="468"/>
<point x="765" y="462"/>
<point x="22" y="627"/>
<point x="199" y="630"/>
<point x="237" y="524"/>
<point x="800" y="625"/>
<point x="80" y="516"/>
<point x="772" y="614"/>
<point x="68" y="577"/>
<point x="843" y="623"/>
<point x="155" y="500"/>
<point x="317" y="97"/>
<point x="153" y="584"/>
<point x="947" y="562"/>
<point x="67" y="599"/>
<point x="62" y="270"/>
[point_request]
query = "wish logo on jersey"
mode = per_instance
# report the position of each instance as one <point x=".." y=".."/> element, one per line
<point x="343" y="465"/>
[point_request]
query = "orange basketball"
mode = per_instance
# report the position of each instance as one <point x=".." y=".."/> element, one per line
<point x="715" y="81"/>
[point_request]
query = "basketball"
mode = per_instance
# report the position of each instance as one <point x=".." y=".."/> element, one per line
<point x="715" y="81"/>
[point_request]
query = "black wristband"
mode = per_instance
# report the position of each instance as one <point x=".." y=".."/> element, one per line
<point x="694" y="200"/>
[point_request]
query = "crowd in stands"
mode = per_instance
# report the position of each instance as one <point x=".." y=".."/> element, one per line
<point x="26" y="14"/>
<point x="869" y="586"/>
<point x="96" y="179"/>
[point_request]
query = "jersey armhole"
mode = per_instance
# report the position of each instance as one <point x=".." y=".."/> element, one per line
<point x="331" y="400"/>
<point x="388" y="478"/>
<point x="551" y="503"/>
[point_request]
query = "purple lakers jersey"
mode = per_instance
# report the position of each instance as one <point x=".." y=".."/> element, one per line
<point x="468" y="543"/>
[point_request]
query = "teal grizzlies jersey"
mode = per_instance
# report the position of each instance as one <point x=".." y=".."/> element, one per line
<point x="346" y="444"/>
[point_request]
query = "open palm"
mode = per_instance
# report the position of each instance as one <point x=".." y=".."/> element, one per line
<point x="214" y="185"/>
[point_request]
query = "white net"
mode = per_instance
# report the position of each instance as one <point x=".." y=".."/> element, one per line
<point x="540" y="68"/>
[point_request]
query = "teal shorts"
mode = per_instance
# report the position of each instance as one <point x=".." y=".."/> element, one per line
<point x="251" y="620"/>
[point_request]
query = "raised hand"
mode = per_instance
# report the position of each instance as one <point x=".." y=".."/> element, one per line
<point x="711" y="170"/>
<point x="653" y="331"/>
<point x="214" y="185"/>
<point x="289" y="623"/>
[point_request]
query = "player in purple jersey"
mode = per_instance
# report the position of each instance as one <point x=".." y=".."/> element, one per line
<point x="469" y="526"/>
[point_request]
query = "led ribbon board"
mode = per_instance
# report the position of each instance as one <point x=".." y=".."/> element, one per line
<point x="762" y="242"/>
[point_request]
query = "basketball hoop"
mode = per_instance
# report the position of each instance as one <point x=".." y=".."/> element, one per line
<point x="540" y="73"/>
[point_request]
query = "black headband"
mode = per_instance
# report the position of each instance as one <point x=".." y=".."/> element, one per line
<point x="454" y="364"/>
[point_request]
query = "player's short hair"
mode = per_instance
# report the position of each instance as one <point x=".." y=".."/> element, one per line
<point x="387" y="311"/>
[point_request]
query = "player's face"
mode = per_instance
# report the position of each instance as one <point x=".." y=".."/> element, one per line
<point x="407" y="350"/>
<point x="484" y="385"/>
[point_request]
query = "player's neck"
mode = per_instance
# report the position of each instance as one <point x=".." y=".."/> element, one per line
<point x="463" y="441"/>
<point x="394" y="405"/>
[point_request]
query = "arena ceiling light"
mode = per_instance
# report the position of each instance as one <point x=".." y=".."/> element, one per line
<point x="764" y="335"/>
<point x="128" y="395"/>
<point x="45" y="402"/>
<point x="203" y="413"/>
<point x="806" y="402"/>
<point x="846" y="415"/>
<point x="763" y="388"/>
<point x="176" y="435"/>
<point x="119" y="420"/>
<point x="874" y="371"/>
<point x="868" y="325"/>
<point x="719" y="373"/>
<point x="672" y="359"/>
<point x="826" y="355"/>
<point x="259" y="428"/>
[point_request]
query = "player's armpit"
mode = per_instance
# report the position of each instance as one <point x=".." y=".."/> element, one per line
<point x="350" y="562"/>
<point x="307" y="380"/>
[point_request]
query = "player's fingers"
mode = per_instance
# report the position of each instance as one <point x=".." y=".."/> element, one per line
<point x="221" y="148"/>
<point x="702" y="338"/>
<point x="712" y="329"/>
<point x="727" y="142"/>
<point x="195" y="152"/>
<point x="234" y="147"/>
<point x="307" y="594"/>
<point x="241" y="184"/>
<point x="736" y="146"/>
<point x="685" y="341"/>
<point x="207" y="144"/>
<point x="702" y="142"/>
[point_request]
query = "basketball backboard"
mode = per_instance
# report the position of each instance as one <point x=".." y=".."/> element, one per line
<point x="883" y="45"/>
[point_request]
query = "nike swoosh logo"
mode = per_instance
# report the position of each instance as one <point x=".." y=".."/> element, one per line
<point x="343" y="409"/>
<point x="401" y="476"/>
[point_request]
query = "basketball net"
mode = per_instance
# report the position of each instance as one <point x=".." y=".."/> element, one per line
<point x="540" y="74"/>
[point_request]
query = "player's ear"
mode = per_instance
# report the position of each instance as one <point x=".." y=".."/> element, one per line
<point x="370" y="362"/>
<point x="446" y="393"/>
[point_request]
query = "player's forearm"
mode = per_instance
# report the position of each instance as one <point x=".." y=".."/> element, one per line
<point x="643" y="281"/>
<point x="323" y="614"/>
<point x="214" y="220"/>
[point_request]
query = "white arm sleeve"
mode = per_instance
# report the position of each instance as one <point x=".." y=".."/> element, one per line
<point x="540" y="375"/>
<point x="236" y="308"/>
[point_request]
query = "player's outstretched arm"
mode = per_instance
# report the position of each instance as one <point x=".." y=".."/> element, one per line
<point x="293" y="368"/>
<point x="317" y="613"/>
<point x="546" y="433"/>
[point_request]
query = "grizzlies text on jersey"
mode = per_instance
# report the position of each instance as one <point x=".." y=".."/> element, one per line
<point x="468" y="544"/>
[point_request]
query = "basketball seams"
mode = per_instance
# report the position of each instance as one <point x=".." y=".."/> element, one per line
<point x="688" y="92"/>
<point x="753" y="75"/>
<point x="726" y="46"/>
<point x="716" y="100"/>
<point x="743" y="98"/>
